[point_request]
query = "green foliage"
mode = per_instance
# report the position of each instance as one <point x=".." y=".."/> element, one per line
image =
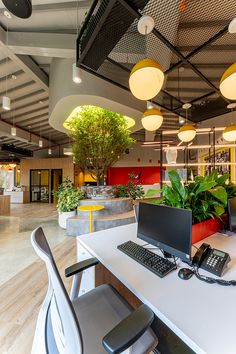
<point x="68" y="196"/>
<point x="207" y="196"/>
<point x="100" y="138"/>
<point x="131" y="189"/>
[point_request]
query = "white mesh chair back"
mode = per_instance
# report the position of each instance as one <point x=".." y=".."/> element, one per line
<point x="57" y="329"/>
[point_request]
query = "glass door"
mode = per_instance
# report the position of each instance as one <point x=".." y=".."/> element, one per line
<point x="39" y="186"/>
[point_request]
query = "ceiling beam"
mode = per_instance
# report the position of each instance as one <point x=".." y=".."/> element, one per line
<point x="24" y="63"/>
<point x="17" y="88"/>
<point x="46" y="44"/>
<point x="28" y="121"/>
<point x="59" y="6"/>
<point x="16" y="118"/>
<point x="17" y="73"/>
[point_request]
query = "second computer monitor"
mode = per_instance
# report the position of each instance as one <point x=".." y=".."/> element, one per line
<point x="232" y="214"/>
<point x="168" y="228"/>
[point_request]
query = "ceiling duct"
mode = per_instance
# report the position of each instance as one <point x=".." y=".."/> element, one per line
<point x="105" y="29"/>
<point x="16" y="150"/>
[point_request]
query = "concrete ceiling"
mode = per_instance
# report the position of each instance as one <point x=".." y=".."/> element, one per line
<point x="25" y="57"/>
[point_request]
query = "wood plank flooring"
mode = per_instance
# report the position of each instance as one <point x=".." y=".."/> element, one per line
<point x="22" y="296"/>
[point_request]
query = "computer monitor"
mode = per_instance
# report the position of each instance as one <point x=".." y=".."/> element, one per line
<point x="232" y="214"/>
<point x="168" y="228"/>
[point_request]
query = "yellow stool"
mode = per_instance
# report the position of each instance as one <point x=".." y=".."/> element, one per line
<point x="90" y="208"/>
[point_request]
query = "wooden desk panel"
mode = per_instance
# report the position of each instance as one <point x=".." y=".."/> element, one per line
<point x="5" y="204"/>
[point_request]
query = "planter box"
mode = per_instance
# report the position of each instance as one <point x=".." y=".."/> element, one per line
<point x="206" y="228"/>
<point x="62" y="217"/>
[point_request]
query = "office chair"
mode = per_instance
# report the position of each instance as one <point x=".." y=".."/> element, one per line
<point x="98" y="322"/>
<point x="136" y="211"/>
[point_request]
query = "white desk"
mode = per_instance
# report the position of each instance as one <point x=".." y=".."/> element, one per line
<point x="202" y="315"/>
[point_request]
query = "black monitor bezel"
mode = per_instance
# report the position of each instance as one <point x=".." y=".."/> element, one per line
<point x="230" y="226"/>
<point x="173" y="251"/>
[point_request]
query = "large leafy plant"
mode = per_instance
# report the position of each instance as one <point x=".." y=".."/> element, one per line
<point x="206" y="196"/>
<point x="68" y="196"/>
<point x="100" y="138"/>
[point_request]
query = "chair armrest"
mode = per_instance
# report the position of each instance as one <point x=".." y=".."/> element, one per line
<point x="80" y="266"/>
<point x="128" y="331"/>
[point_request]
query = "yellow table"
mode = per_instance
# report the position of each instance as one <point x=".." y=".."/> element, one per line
<point x="90" y="208"/>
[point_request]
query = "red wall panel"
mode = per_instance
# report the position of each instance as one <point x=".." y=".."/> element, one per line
<point x="147" y="175"/>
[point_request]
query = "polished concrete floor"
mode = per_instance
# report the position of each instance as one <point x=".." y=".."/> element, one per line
<point x="23" y="277"/>
<point x="15" y="229"/>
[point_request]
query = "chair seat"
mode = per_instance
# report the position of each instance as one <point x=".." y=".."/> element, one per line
<point x="98" y="312"/>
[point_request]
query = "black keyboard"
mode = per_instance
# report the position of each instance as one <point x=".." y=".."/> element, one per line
<point x="156" y="264"/>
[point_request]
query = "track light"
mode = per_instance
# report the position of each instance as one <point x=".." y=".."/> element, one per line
<point x="6" y="103"/>
<point x="76" y="74"/>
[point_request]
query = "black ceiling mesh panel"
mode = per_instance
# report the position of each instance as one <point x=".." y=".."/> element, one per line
<point x="191" y="34"/>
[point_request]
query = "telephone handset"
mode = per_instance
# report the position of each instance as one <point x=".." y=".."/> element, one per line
<point x="211" y="260"/>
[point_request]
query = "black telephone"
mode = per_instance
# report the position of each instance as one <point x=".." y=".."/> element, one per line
<point x="210" y="259"/>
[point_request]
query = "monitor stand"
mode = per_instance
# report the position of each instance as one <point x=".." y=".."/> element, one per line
<point x="167" y="254"/>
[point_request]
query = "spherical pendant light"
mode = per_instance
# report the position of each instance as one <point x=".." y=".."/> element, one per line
<point x="146" y="79"/>
<point x="228" y="83"/>
<point x="187" y="133"/>
<point x="152" y="119"/>
<point x="229" y="133"/>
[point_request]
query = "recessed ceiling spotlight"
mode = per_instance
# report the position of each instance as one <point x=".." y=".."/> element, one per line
<point x="231" y="105"/>
<point x="181" y="69"/>
<point x="232" y="26"/>
<point x="186" y="105"/>
<point x="7" y="14"/>
<point x="13" y="77"/>
<point x="41" y="102"/>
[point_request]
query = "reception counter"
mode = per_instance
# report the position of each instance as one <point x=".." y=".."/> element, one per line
<point x="5" y="204"/>
<point x="18" y="197"/>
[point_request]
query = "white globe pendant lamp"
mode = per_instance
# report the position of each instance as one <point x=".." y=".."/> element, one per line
<point x="152" y="119"/>
<point x="229" y="133"/>
<point x="146" y="77"/>
<point x="228" y="83"/>
<point x="187" y="132"/>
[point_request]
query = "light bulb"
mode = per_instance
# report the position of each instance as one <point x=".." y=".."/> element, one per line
<point x="76" y="74"/>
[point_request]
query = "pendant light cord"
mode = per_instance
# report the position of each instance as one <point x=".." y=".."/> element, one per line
<point x="6" y="58"/>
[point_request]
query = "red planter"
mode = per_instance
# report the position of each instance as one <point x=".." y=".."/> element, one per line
<point x="205" y="229"/>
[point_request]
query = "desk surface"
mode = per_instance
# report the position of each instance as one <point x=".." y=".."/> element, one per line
<point x="202" y="315"/>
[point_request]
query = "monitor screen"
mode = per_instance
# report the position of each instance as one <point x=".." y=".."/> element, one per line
<point x="168" y="228"/>
<point x="232" y="214"/>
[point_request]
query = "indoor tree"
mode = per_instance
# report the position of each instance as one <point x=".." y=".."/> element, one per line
<point x="100" y="138"/>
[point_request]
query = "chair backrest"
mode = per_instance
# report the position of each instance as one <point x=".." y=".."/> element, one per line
<point x="57" y="319"/>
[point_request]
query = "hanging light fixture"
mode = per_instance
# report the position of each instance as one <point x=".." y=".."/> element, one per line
<point x="228" y="83"/>
<point x="12" y="165"/>
<point x="68" y="151"/>
<point x="229" y="133"/>
<point x="187" y="132"/>
<point x="6" y="101"/>
<point x="152" y="119"/>
<point x="146" y="77"/>
<point x="13" y="131"/>
<point x="76" y="74"/>
<point x="49" y="151"/>
<point x="232" y="26"/>
<point x="13" y="128"/>
<point x="22" y="9"/>
<point x="40" y="143"/>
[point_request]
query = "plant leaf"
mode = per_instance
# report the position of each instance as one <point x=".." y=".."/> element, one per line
<point x="177" y="184"/>
<point x="219" y="193"/>
<point x="152" y="192"/>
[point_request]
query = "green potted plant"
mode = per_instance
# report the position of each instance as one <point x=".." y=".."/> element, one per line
<point x="68" y="200"/>
<point x="131" y="189"/>
<point x="206" y="196"/>
<point x="2" y="180"/>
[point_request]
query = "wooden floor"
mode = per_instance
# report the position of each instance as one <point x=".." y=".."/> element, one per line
<point x="22" y="296"/>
